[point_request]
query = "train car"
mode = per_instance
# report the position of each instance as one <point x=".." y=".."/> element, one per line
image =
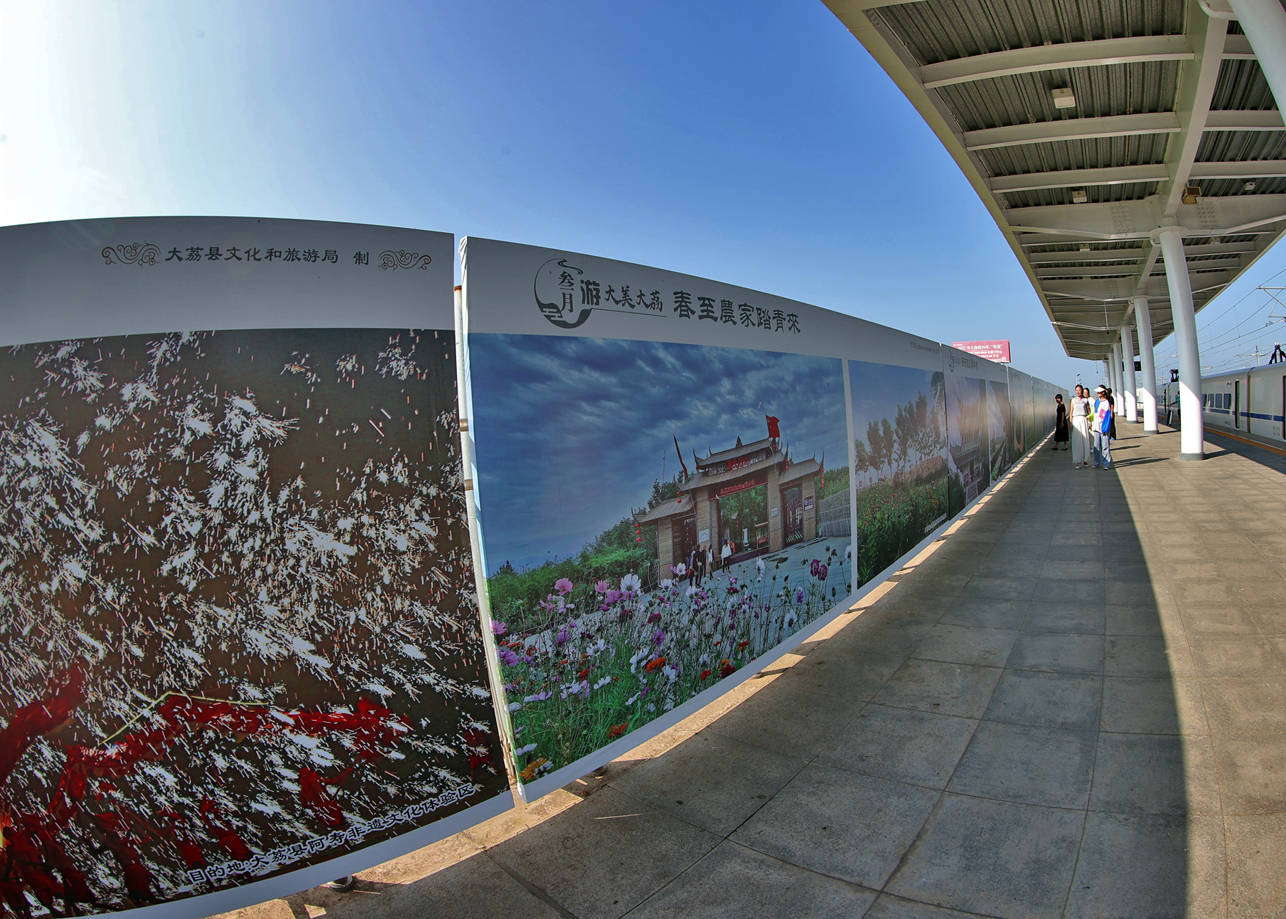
<point x="1247" y="401"/>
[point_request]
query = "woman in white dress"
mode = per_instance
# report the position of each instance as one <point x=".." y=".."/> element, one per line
<point x="1080" y="412"/>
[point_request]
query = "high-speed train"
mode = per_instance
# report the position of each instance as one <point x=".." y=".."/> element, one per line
<point x="1248" y="400"/>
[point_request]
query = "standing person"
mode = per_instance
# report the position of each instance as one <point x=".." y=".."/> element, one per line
<point x="1102" y="429"/>
<point x="1060" y="422"/>
<point x="725" y="553"/>
<point x="1081" y="412"/>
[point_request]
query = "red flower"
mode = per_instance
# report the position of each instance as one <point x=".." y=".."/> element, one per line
<point x="741" y="645"/>
<point x="584" y="673"/>
<point x="704" y="674"/>
<point x="655" y="663"/>
<point x="726" y="668"/>
<point x="617" y="730"/>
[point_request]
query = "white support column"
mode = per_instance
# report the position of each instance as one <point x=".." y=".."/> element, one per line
<point x="1193" y="434"/>
<point x="1127" y="348"/>
<point x="1264" y="22"/>
<point x="1147" y="385"/>
<point x="1114" y="376"/>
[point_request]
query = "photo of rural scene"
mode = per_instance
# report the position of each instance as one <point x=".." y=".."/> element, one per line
<point x="239" y="629"/>
<point x="654" y="517"/>
<point x="999" y="420"/>
<point x="968" y="463"/>
<point x="900" y="466"/>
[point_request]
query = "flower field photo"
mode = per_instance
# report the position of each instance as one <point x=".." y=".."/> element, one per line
<point x="607" y="615"/>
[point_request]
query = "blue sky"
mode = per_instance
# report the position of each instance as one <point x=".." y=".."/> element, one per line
<point x="754" y="143"/>
<point x="565" y="450"/>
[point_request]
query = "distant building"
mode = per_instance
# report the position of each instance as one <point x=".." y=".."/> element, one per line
<point x="697" y="516"/>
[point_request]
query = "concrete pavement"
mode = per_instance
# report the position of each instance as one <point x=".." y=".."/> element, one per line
<point x="1072" y="706"/>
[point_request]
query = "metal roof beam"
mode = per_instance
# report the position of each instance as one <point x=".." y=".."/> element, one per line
<point x="1233" y="120"/>
<point x="1039" y="58"/>
<point x="1250" y="169"/>
<point x="1072" y="129"/>
<point x="1076" y="178"/>
<point x="1197" y="87"/>
<point x="1225" y="216"/>
<point x="1137" y="254"/>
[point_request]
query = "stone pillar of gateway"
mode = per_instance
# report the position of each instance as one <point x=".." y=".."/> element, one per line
<point x="696" y="518"/>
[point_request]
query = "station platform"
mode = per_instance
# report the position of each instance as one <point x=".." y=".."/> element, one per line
<point x="1074" y="704"/>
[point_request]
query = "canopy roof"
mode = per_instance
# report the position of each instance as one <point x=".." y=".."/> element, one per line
<point x="1085" y="127"/>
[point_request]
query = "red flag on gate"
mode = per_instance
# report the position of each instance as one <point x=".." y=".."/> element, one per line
<point x="774" y="426"/>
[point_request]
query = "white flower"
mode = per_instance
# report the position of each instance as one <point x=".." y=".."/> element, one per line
<point x="631" y="583"/>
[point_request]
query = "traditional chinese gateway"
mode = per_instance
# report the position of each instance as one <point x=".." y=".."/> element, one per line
<point x="751" y="497"/>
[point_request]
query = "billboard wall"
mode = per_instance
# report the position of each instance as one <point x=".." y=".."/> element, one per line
<point x="663" y="491"/>
<point x="239" y="644"/>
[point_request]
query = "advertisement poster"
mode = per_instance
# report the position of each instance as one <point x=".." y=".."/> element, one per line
<point x="239" y="640"/>
<point x="899" y="447"/>
<point x="663" y="491"/>
<point x="968" y="459"/>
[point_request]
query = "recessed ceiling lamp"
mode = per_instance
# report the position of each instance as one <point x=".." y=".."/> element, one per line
<point x="1079" y="196"/>
<point x="1064" y="98"/>
<point x="1248" y="185"/>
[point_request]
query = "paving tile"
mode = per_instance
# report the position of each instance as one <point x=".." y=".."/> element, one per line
<point x="891" y="907"/>
<point x="1246" y="707"/>
<point x="1252" y="773"/>
<point x="1061" y="700"/>
<point x="588" y="858"/>
<point x="942" y="687"/>
<point x="967" y="645"/>
<point x="987" y="614"/>
<point x="735" y="881"/>
<point x="1256" y="866"/>
<point x="852" y="678"/>
<point x="1153" y="705"/>
<point x="1242" y="656"/>
<point x="1201" y="619"/>
<point x="788" y="718"/>
<point x="1067" y="616"/>
<point x="1142" y="655"/>
<point x="1137" y="867"/>
<point x="1132" y="620"/>
<point x="840" y="823"/>
<point x="1027" y="765"/>
<point x="897" y="743"/>
<point x="1058" y="653"/>
<point x="993" y="858"/>
<point x="1154" y="774"/>
<point x="1069" y="590"/>
<point x="711" y="781"/>
<point x="999" y="588"/>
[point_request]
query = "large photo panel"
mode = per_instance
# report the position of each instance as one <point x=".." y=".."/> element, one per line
<point x="968" y="444"/>
<point x="663" y="491"/>
<point x="900" y="467"/>
<point x="239" y="644"/>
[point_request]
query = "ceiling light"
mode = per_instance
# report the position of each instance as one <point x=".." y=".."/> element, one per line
<point x="1248" y="185"/>
<point x="1064" y="98"/>
<point x="1079" y="196"/>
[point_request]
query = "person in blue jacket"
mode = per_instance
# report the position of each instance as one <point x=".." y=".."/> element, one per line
<point x="1101" y="424"/>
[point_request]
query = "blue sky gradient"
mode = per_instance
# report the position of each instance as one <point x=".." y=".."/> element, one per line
<point x="754" y="143"/>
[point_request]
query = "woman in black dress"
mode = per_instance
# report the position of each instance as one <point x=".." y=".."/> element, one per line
<point x="1060" y="423"/>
